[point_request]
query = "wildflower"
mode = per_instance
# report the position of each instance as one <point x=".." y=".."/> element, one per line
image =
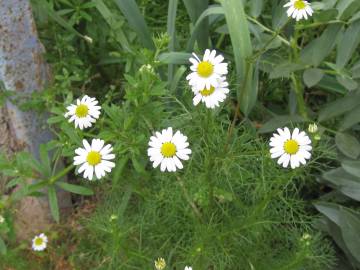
<point x="188" y="268"/>
<point x="84" y="113"/>
<point x="299" y="9"/>
<point x="2" y="219"/>
<point x="94" y="157"/>
<point x="113" y="217"/>
<point x="313" y="128"/>
<point x="88" y="39"/>
<point x="213" y="95"/>
<point x="167" y="149"/>
<point x="290" y="148"/>
<point x="160" y="264"/>
<point x="206" y="73"/>
<point x="39" y="242"/>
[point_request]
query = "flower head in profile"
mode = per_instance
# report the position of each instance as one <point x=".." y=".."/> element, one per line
<point x="313" y="128"/>
<point x="298" y="9"/>
<point x="166" y="149"/>
<point x="188" y="268"/>
<point x="293" y="149"/>
<point x="207" y="71"/>
<point x="213" y="95"/>
<point x="94" y="158"/>
<point x="84" y="113"/>
<point x="160" y="264"/>
<point x="39" y="242"/>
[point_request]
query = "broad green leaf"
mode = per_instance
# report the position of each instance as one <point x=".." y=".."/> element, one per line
<point x="350" y="228"/>
<point x="256" y="7"/>
<point x="136" y="21"/>
<point x="312" y="76"/>
<point x="348" y="145"/>
<point x="195" y="9"/>
<point x="241" y="44"/>
<point x="180" y="58"/>
<point x="285" y="69"/>
<point x="347" y="8"/>
<point x="75" y="188"/>
<point x="331" y="85"/>
<point x="347" y="82"/>
<point x="3" y="249"/>
<point x="316" y="51"/>
<point x="53" y="202"/>
<point x="346" y="183"/>
<point x="340" y="106"/>
<point x="326" y="15"/>
<point x="280" y="122"/>
<point x="348" y="44"/>
<point x="330" y="210"/>
<point x="352" y="167"/>
<point x="279" y="16"/>
<point x="351" y="118"/>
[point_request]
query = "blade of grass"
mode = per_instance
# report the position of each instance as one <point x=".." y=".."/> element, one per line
<point x="214" y="10"/>
<point x="194" y="9"/>
<point x="111" y="21"/>
<point x="136" y="21"/>
<point x="241" y="43"/>
<point x="172" y="33"/>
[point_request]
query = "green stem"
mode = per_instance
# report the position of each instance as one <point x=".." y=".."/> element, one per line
<point x="61" y="174"/>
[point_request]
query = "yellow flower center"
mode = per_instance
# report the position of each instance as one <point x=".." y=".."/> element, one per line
<point x="205" y="69"/>
<point x="207" y="92"/>
<point x="82" y="111"/>
<point x="291" y="147"/>
<point x="168" y="149"/>
<point x="93" y="158"/>
<point x="160" y="264"/>
<point x="38" y="241"/>
<point x="299" y="5"/>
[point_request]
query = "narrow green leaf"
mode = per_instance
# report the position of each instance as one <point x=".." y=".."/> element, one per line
<point x="330" y="210"/>
<point x="195" y="9"/>
<point x="241" y="44"/>
<point x="113" y="22"/>
<point x="53" y="202"/>
<point x="75" y="188"/>
<point x="348" y="145"/>
<point x="347" y="8"/>
<point x="171" y="20"/>
<point x="178" y="75"/>
<point x="136" y="21"/>
<point x="316" y="51"/>
<point x="331" y="85"/>
<point x="180" y="58"/>
<point x="45" y="161"/>
<point x="280" y="122"/>
<point x="312" y="76"/>
<point x="348" y="44"/>
<point x="197" y="30"/>
<point x="256" y="7"/>
<point x="3" y="249"/>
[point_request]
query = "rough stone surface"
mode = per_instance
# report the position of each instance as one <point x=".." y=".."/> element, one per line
<point x="22" y="69"/>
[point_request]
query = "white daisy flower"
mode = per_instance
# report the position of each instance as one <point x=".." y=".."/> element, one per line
<point x="84" y="113"/>
<point x="206" y="72"/>
<point x="39" y="242"/>
<point x="290" y="148"/>
<point x="167" y="149"/>
<point x="299" y="9"/>
<point x="94" y="157"/>
<point x="212" y="96"/>
<point x="188" y="268"/>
